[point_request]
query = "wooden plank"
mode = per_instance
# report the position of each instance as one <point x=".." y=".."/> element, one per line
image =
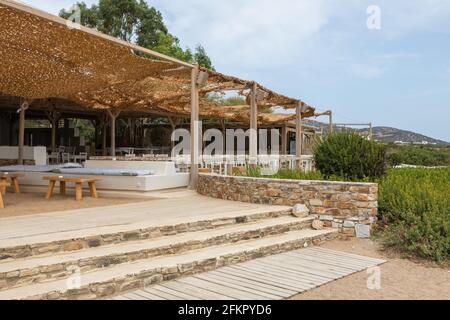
<point x="262" y="279"/>
<point x="148" y="296"/>
<point x="328" y="261"/>
<point x="308" y="272"/>
<point x="132" y="296"/>
<point x="299" y="285"/>
<point x="289" y="275"/>
<point x="332" y="271"/>
<point x="233" y="293"/>
<point x="253" y="286"/>
<point x="344" y="254"/>
<point x="352" y="265"/>
<point x="177" y="293"/>
<point x="260" y="284"/>
<point x="337" y="258"/>
<point x="326" y="269"/>
<point x="231" y="284"/>
<point x="196" y="291"/>
<point x="300" y="273"/>
<point x="164" y="295"/>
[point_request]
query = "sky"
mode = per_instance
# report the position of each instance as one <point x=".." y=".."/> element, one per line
<point x="395" y="73"/>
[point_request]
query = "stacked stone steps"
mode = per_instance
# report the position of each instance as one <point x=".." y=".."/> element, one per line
<point x="123" y="277"/>
<point x="68" y="241"/>
<point x="48" y="267"/>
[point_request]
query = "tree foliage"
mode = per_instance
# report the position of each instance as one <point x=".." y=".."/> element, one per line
<point x="351" y="156"/>
<point x="135" y="21"/>
<point x="418" y="155"/>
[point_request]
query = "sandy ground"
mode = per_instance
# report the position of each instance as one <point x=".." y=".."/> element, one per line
<point x="401" y="279"/>
<point x="33" y="203"/>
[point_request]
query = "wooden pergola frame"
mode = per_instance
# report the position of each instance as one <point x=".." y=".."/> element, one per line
<point x="226" y="83"/>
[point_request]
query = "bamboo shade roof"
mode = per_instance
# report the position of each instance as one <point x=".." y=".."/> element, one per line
<point x="43" y="57"/>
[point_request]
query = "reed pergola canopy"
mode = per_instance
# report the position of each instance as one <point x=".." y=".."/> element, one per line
<point x="44" y="57"/>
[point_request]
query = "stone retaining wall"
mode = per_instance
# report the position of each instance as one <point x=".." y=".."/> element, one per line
<point x="341" y="205"/>
<point x="7" y="162"/>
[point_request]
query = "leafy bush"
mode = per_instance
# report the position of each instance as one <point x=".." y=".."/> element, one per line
<point x="416" y="206"/>
<point x="350" y="156"/>
<point x="418" y="155"/>
<point x="295" y="174"/>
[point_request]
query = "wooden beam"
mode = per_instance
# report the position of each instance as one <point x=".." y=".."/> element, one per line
<point x="254" y="125"/>
<point x="195" y="138"/>
<point x="284" y="140"/>
<point x="53" y="117"/>
<point x="24" y="104"/>
<point x="298" y="134"/>
<point x="113" y="114"/>
<point x="331" y="122"/>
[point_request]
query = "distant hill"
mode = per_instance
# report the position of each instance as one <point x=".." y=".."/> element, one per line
<point x="388" y="134"/>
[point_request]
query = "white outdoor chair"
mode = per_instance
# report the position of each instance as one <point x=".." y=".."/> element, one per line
<point x="65" y="157"/>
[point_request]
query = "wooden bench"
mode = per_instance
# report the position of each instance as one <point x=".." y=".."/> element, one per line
<point x="78" y="186"/>
<point x="14" y="178"/>
<point x="3" y="185"/>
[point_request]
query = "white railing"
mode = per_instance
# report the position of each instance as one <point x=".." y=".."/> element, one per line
<point x="223" y="164"/>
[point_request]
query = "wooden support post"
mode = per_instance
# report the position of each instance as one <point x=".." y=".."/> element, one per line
<point x="24" y="104"/>
<point x="298" y="135"/>
<point x="195" y="138"/>
<point x="174" y="122"/>
<point x="331" y="122"/>
<point x="113" y="114"/>
<point x="254" y="125"/>
<point x="54" y="118"/>
<point x="104" y="138"/>
<point x="284" y="140"/>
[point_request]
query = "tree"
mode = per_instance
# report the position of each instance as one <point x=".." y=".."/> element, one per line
<point x="202" y="58"/>
<point x="134" y="21"/>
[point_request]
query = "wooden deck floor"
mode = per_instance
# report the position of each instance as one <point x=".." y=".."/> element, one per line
<point x="270" y="278"/>
<point x="167" y="208"/>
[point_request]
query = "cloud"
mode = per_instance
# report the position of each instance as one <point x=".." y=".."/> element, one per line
<point x="248" y="33"/>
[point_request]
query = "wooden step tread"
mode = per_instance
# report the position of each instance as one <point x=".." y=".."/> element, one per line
<point x="137" y="246"/>
<point x="128" y="274"/>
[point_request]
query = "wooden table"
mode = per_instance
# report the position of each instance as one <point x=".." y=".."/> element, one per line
<point x="78" y="186"/>
<point x="14" y="178"/>
<point x="3" y="185"/>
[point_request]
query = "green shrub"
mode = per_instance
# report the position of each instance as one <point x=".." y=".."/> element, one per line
<point x="416" y="206"/>
<point x="350" y="156"/>
<point x="295" y="174"/>
<point x="418" y="155"/>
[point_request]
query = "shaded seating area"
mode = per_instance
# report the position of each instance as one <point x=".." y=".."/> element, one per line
<point x="107" y="81"/>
